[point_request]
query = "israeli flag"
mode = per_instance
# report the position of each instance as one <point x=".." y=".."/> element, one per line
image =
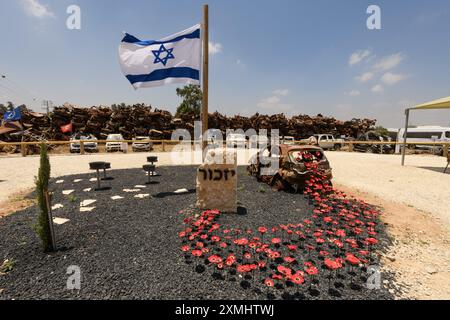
<point x="174" y="59"/>
<point x="14" y="115"/>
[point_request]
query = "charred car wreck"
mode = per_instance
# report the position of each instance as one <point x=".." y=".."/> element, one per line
<point x="292" y="170"/>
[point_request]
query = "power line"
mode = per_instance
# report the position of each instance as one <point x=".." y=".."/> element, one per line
<point x="21" y="88"/>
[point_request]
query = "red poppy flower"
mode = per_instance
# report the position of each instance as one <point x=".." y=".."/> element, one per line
<point x="312" y="271"/>
<point x="215" y="239"/>
<point x="182" y="234"/>
<point x="269" y="282"/>
<point x="324" y="253"/>
<point x="327" y="219"/>
<point x="289" y="259"/>
<point x="340" y="233"/>
<point x="332" y="264"/>
<point x="363" y="252"/>
<point x="297" y="278"/>
<point x="253" y="245"/>
<point x="262" y="230"/>
<point x="317" y="234"/>
<point x="197" y="253"/>
<point x="277" y="276"/>
<point x="230" y="260"/>
<point x="350" y="258"/>
<point x="223" y="245"/>
<point x="205" y="250"/>
<point x="338" y="243"/>
<point x="292" y="247"/>
<point x="199" y="244"/>
<point x="246" y="268"/>
<point x="261" y="264"/>
<point x="185" y="248"/>
<point x="273" y="254"/>
<point x="308" y="264"/>
<point x="204" y="236"/>
<point x="241" y="242"/>
<point x="276" y="240"/>
<point x="284" y="270"/>
<point x="372" y="241"/>
<point x="214" y="259"/>
<point x="320" y="240"/>
<point x="247" y="255"/>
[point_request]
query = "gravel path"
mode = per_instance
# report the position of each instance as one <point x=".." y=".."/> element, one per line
<point x="129" y="248"/>
<point x="420" y="184"/>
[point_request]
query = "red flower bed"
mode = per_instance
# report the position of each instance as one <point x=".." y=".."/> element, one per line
<point x="339" y="236"/>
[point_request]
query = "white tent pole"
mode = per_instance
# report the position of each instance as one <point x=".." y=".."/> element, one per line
<point x="405" y="134"/>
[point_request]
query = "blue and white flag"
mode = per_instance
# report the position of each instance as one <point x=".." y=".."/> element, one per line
<point x="13" y="115"/>
<point x="174" y="59"/>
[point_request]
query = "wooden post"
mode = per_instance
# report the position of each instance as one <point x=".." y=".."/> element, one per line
<point x="50" y="218"/>
<point x="164" y="145"/>
<point x="81" y="147"/>
<point x="23" y="150"/>
<point x="445" y="150"/>
<point x="205" y="36"/>
<point x="350" y="147"/>
<point x="405" y="136"/>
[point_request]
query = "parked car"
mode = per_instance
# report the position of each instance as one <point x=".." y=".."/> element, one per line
<point x="236" y="140"/>
<point x="75" y="145"/>
<point x="328" y="142"/>
<point x="288" y="140"/>
<point x="291" y="172"/>
<point x="141" y="146"/>
<point x="386" y="148"/>
<point x="114" y="143"/>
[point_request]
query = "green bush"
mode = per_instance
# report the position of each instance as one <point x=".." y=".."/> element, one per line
<point x="42" y="226"/>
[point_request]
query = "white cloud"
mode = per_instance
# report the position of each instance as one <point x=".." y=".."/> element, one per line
<point x="215" y="48"/>
<point x="239" y="62"/>
<point x="358" y="56"/>
<point x="269" y="101"/>
<point x="354" y="93"/>
<point x="389" y="62"/>
<point x="281" y="92"/>
<point x="392" y="78"/>
<point x="365" y="77"/>
<point x="36" y="9"/>
<point x="378" y="88"/>
<point x="272" y="103"/>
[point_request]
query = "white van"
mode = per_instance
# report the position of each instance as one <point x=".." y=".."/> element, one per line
<point x="429" y="134"/>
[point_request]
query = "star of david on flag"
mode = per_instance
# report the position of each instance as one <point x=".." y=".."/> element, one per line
<point x="152" y="63"/>
<point x="161" y="51"/>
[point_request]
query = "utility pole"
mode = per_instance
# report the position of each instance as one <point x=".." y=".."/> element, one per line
<point x="205" y="76"/>
<point x="46" y="105"/>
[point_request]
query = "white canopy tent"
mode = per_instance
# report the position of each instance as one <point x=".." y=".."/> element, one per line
<point x="443" y="103"/>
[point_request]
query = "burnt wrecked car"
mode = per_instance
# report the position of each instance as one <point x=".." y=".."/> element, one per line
<point x="382" y="148"/>
<point x="285" y="167"/>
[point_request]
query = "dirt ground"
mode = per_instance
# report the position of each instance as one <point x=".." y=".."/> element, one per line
<point x="16" y="202"/>
<point x="420" y="255"/>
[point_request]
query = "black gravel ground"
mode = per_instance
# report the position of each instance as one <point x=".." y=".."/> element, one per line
<point x="130" y="249"/>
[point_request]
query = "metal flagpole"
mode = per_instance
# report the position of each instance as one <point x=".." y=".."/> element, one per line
<point x="205" y="76"/>
<point x="405" y="133"/>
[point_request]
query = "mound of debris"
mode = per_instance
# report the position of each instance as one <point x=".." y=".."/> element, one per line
<point x="143" y="120"/>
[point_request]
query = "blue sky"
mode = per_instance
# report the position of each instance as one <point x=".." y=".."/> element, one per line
<point x="287" y="56"/>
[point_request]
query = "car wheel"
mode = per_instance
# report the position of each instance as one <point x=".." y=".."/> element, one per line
<point x="370" y="150"/>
